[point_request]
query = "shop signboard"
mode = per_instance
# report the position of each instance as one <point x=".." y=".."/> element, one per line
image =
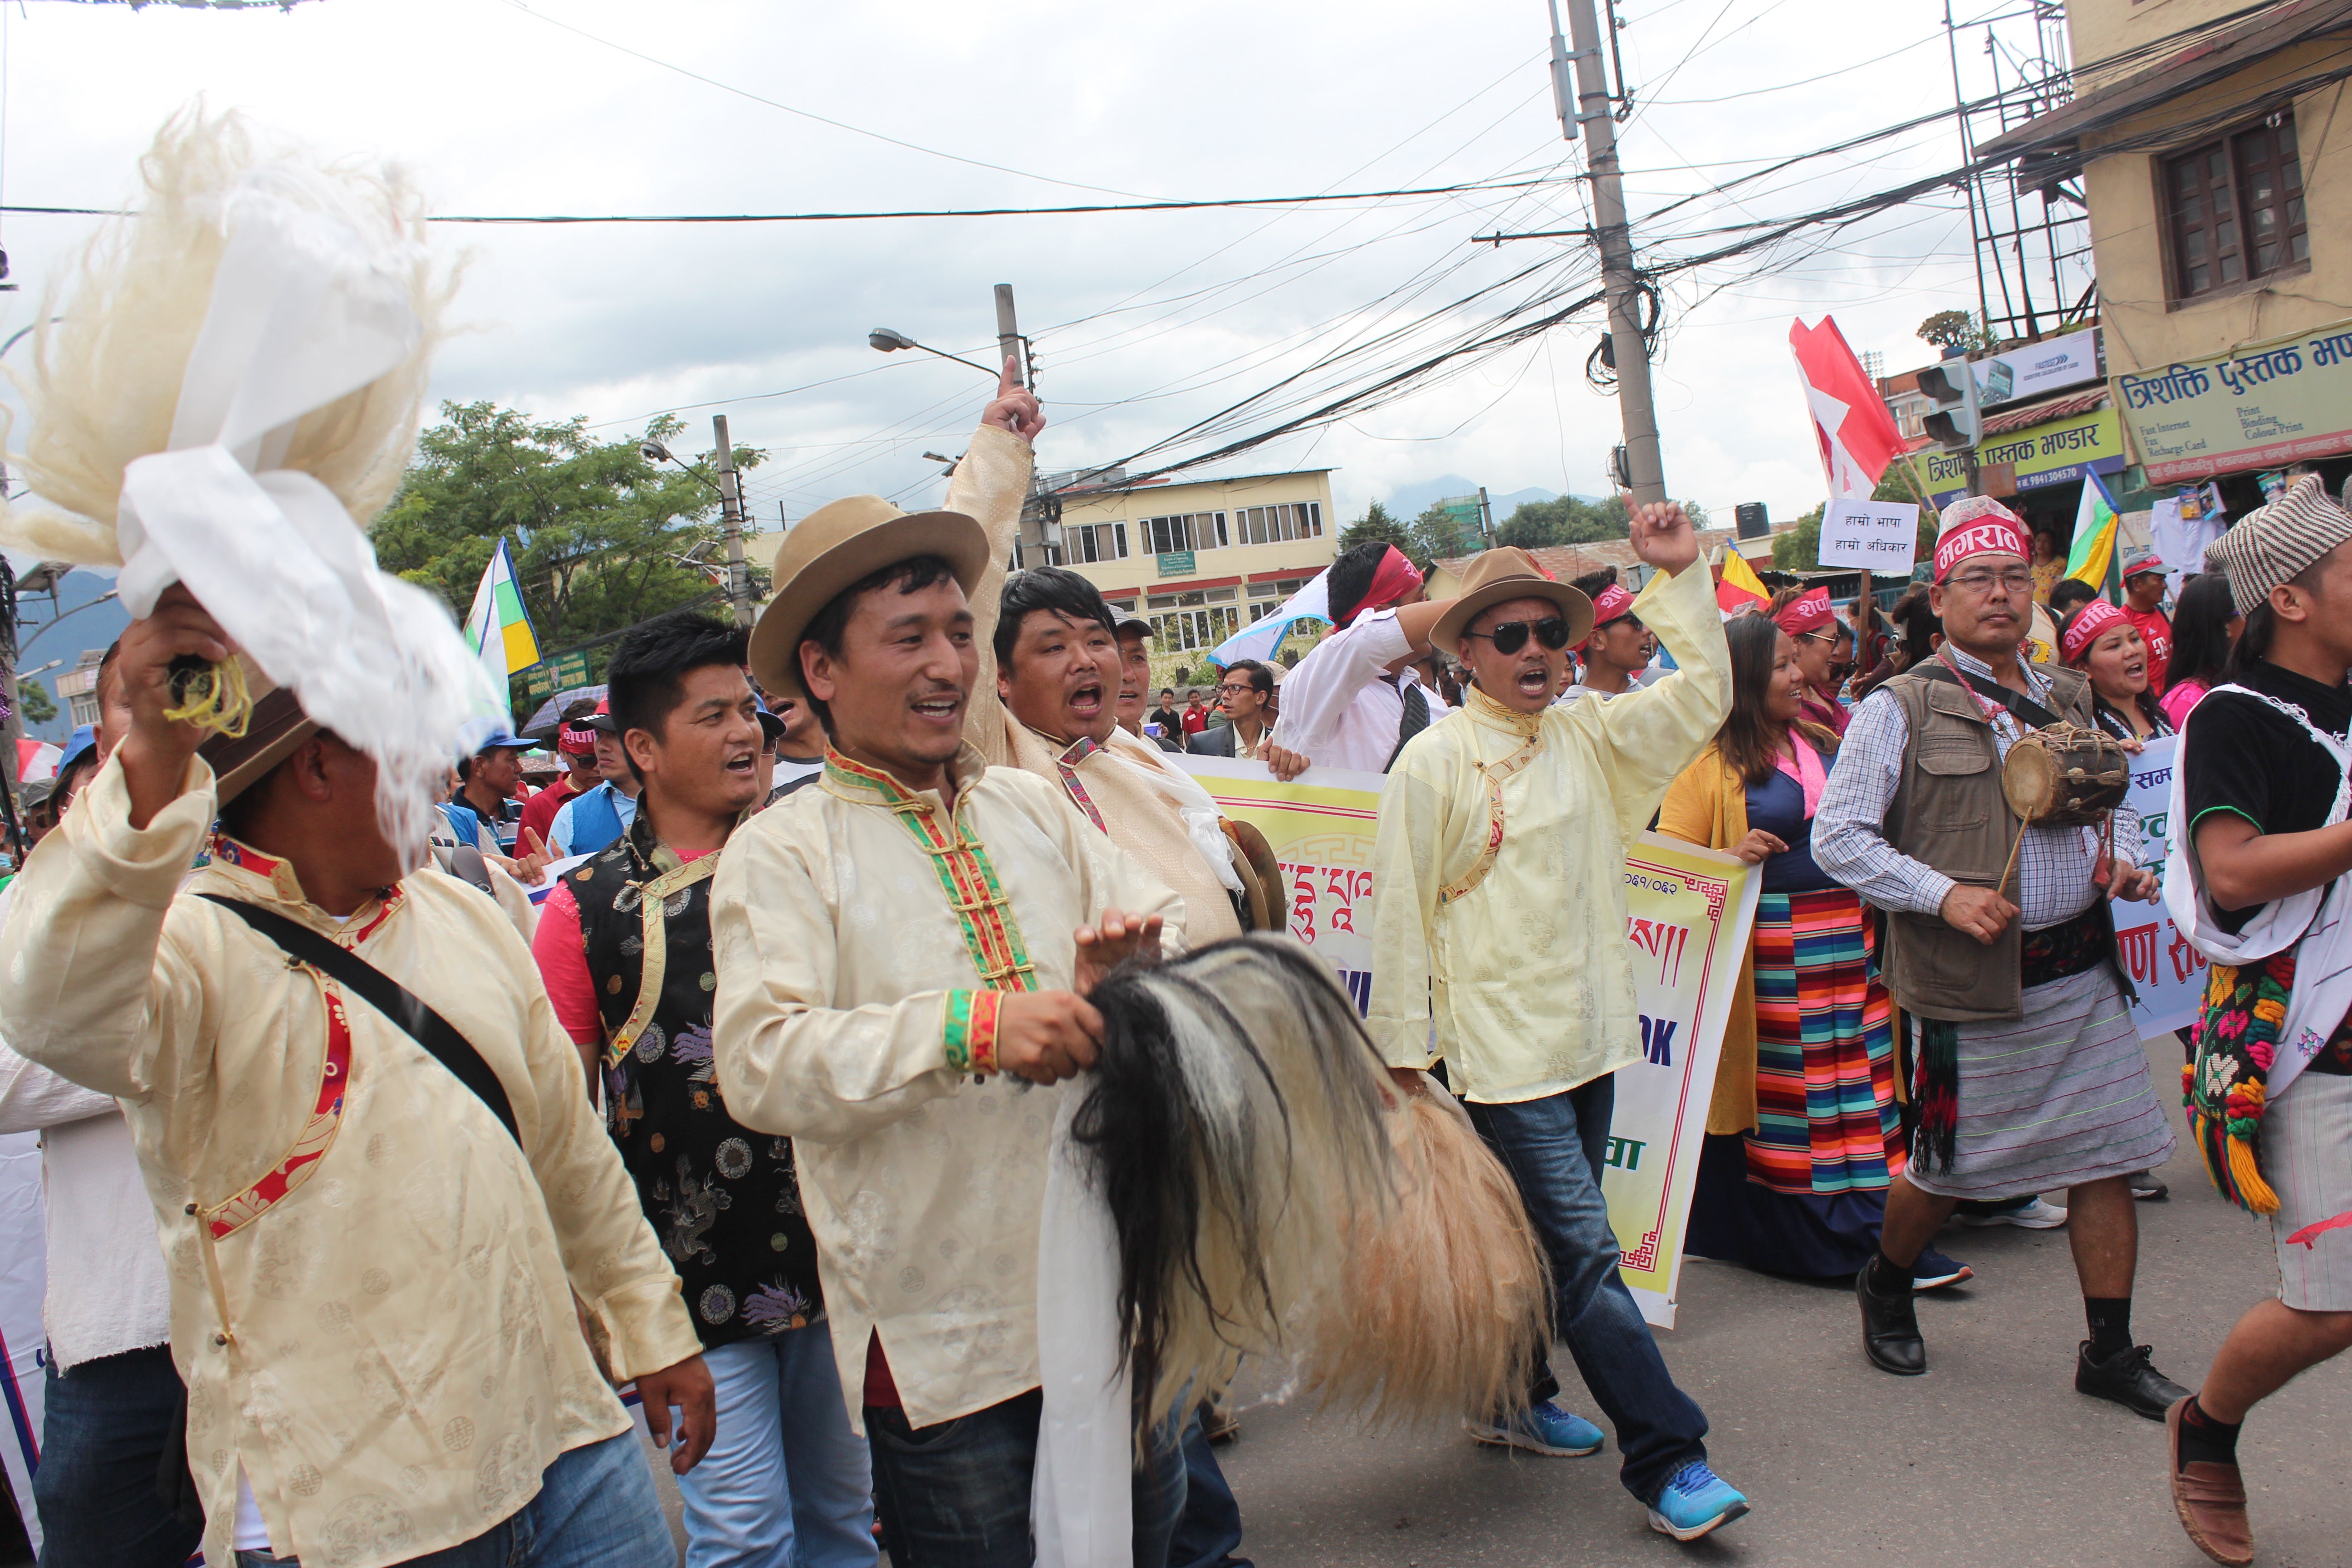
<point x="2284" y="401"/>
<point x="2034" y="370"/>
<point x="2059" y="452"/>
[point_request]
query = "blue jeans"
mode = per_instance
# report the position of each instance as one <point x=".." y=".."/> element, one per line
<point x="104" y="1428"/>
<point x="1553" y="1149"/>
<point x="956" y="1495"/>
<point x="1210" y="1532"/>
<point x="595" y="1508"/>
<point x="786" y="1484"/>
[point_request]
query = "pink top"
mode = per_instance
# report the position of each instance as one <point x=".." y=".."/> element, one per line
<point x="562" y="955"/>
<point x="2178" y="702"/>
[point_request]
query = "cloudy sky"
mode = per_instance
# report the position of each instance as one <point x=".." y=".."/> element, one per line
<point x="1144" y="323"/>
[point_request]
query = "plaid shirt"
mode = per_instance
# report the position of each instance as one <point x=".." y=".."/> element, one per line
<point x="1850" y="827"/>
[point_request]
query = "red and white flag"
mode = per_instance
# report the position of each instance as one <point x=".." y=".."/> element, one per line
<point x="1858" y="437"/>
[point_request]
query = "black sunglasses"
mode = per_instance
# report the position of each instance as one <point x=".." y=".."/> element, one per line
<point x="1512" y="635"/>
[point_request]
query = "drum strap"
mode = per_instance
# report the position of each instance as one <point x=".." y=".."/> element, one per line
<point x="2026" y="711"/>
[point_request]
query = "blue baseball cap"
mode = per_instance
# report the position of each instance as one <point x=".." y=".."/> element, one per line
<point x="84" y="741"/>
<point x="507" y="741"/>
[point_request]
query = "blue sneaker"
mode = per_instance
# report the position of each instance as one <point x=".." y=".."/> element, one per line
<point x="1543" y="1428"/>
<point x="1695" y="1501"/>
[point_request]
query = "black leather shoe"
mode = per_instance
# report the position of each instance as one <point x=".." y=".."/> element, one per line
<point x="1890" y="1329"/>
<point x="2127" y="1378"/>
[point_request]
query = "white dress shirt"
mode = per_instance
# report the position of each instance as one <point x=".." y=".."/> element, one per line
<point x="1338" y="708"/>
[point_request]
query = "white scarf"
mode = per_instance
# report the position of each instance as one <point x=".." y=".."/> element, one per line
<point x="1203" y="821"/>
<point x="2320" y="918"/>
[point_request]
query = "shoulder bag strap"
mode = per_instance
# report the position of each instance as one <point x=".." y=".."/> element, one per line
<point x="429" y="1029"/>
<point x="2026" y="711"/>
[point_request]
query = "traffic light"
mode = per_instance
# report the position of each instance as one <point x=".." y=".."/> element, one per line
<point x="1954" y="423"/>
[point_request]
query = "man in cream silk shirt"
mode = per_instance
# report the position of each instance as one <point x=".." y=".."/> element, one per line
<point x="371" y="1280"/>
<point x="1500" y="859"/>
<point x="896" y="943"/>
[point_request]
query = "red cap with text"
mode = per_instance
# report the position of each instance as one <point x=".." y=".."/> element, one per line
<point x="1808" y="612"/>
<point x="1977" y="525"/>
<point x="1612" y="604"/>
<point x="2092" y="618"/>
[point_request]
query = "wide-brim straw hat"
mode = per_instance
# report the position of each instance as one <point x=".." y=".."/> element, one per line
<point x="835" y="546"/>
<point x="1496" y="576"/>
<point x="277" y="726"/>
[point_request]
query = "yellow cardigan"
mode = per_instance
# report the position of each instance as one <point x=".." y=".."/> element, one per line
<point x="1708" y="806"/>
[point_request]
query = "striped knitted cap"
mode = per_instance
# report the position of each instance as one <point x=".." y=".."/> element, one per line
<point x="2271" y="544"/>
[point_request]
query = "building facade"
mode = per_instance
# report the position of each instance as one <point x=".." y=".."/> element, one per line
<point x="1199" y="558"/>
<point x="2208" y="143"/>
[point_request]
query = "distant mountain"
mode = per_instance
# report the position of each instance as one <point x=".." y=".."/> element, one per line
<point x="1409" y="502"/>
<point x="95" y="627"/>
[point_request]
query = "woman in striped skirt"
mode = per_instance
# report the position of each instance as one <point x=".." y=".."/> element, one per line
<point x="1803" y="1130"/>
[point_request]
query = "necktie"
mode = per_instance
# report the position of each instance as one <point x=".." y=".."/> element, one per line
<point x="1417" y="719"/>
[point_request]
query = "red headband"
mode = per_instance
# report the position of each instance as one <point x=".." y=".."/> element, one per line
<point x="1808" y="612"/>
<point x="580" y="742"/>
<point x="1392" y="579"/>
<point x="1992" y="537"/>
<point x="2084" y="630"/>
<point x="1612" y="604"/>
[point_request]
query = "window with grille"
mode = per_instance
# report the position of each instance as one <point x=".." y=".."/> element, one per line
<point x="1188" y="630"/>
<point x="2235" y="208"/>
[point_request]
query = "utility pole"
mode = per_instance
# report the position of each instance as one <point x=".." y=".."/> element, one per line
<point x="1589" y="108"/>
<point x="1008" y="336"/>
<point x="730" y="512"/>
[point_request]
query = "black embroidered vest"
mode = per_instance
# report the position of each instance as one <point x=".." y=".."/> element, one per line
<point x="722" y="1198"/>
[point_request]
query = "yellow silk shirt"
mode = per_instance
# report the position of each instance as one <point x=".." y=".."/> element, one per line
<point x="371" y="1283"/>
<point x="852" y="1003"/>
<point x="1498" y="868"/>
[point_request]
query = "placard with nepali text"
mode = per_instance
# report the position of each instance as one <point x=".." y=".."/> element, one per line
<point x="2167" y="972"/>
<point x="1689" y="911"/>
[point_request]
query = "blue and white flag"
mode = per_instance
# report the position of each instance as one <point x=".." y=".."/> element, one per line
<point x="1260" y="638"/>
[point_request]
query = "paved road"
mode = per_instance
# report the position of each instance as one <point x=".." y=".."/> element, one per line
<point x="1991" y="1457"/>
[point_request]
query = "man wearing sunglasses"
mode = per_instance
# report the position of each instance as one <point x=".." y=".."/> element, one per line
<point x="1619" y="648"/>
<point x="1499" y="873"/>
<point x="2031" y="1072"/>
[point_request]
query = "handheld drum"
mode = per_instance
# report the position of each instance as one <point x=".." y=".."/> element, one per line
<point x="2063" y="776"/>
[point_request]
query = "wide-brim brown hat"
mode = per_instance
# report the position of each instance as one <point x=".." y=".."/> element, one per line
<point x="1496" y="576"/>
<point x="277" y="727"/>
<point x="835" y="546"/>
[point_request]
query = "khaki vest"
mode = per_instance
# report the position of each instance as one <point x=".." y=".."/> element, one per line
<point x="1949" y="812"/>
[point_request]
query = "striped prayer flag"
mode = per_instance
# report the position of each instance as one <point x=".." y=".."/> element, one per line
<point x="2093" y="557"/>
<point x="498" y="627"/>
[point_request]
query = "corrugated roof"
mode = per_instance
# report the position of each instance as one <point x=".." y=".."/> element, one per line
<point x="2042" y="412"/>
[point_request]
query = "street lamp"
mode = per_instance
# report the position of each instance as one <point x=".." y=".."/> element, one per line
<point x="888" y="342"/>
<point x="652" y="451"/>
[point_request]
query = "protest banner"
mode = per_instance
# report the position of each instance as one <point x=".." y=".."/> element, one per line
<point x="1688" y="915"/>
<point x="1877" y="536"/>
<point x="2167" y="972"/>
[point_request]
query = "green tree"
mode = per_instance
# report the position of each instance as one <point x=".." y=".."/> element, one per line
<point x="34" y="703"/>
<point x="1957" y="331"/>
<point x="1439" y="534"/>
<point x="602" y="538"/>
<point x="1565" y="519"/>
<point x="1376" y="523"/>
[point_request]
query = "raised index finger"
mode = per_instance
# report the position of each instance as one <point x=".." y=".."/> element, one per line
<point x="1010" y="382"/>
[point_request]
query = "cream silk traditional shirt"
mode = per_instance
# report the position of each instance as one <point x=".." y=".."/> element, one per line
<point x="1498" y="870"/>
<point x="371" y="1283"/>
<point x="864" y="934"/>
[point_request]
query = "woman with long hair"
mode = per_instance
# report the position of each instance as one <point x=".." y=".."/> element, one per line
<point x="2101" y="641"/>
<point x="1803" y="1132"/>
<point x="2205" y="624"/>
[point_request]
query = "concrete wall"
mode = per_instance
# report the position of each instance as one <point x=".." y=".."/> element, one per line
<point x="2098" y="28"/>
<point x="2144" y="327"/>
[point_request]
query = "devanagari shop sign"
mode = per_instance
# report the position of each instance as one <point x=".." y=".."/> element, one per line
<point x="2285" y="401"/>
